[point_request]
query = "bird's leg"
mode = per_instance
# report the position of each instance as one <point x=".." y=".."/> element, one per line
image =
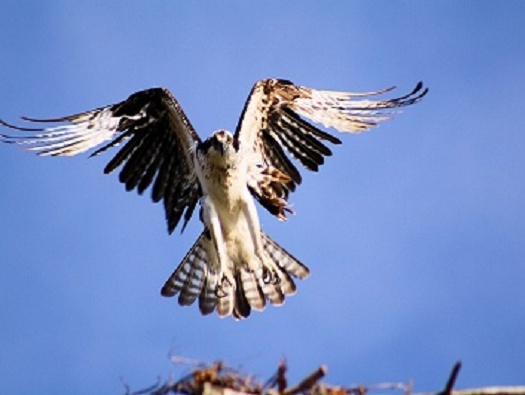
<point x="212" y="222"/>
<point x="270" y="272"/>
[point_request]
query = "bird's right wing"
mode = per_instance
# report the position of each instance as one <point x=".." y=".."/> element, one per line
<point x="158" y="139"/>
<point x="275" y="122"/>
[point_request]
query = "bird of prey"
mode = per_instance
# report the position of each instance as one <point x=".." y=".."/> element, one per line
<point x="233" y="267"/>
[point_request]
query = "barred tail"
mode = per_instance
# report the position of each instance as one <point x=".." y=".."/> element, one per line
<point x="190" y="276"/>
<point x="198" y="276"/>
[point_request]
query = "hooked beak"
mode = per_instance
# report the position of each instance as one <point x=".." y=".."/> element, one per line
<point x="219" y="146"/>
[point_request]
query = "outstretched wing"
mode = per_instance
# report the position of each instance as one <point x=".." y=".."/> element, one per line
<point x="158" y="138"/>
<point x="272" y="124"/>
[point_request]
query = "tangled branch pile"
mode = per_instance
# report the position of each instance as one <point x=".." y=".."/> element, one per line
<point x="219" y="379"/>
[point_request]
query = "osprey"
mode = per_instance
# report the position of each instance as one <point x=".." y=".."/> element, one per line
<point x="233" y="266"/>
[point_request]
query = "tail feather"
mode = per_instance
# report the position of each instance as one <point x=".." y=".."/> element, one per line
<point x="208" y="296"/>
<point x="251" y="289"/>
<point x="283" y="258"/>
<point x="197" y="276"/>
<point x="226" y="302"/>
<point x="273" y="293"/>
<point x="286" y="284"/>
<point x="242" y="307"/>
<point x="193" y="284"/>
<point x="193" y="264"/>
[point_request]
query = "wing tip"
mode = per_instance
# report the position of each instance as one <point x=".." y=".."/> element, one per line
<point x="20" y="128"/>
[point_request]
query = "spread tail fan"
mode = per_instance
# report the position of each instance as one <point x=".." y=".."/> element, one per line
<point x="197" y="277"/>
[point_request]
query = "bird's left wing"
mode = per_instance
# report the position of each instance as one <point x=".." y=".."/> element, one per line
<point x="273" y="124"/>
<point x="157" y="138"/>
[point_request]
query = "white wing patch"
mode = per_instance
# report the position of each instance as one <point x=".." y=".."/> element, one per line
<point x="85" y="131"/>
<point x="341" y="111"/>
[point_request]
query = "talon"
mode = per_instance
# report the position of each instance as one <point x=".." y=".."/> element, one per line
<point x="267" y="276"/>
<point x="219" y="292"/>
<point x="224" y="282"/>
<point x="220" y="288"/>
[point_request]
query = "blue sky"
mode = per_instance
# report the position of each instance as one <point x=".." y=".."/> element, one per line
<point x="414" y="232"/>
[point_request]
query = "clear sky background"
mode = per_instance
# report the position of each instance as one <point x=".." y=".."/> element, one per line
<point x="414" y="232"/>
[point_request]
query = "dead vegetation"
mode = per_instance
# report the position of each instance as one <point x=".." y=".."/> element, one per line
<point x="219" y="379"/>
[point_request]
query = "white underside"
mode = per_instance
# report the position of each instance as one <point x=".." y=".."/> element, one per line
<point x="229" y="213"/>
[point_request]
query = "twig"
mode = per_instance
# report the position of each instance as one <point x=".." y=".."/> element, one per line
<point x="308" y="382"/>
<point x="452" y="379"/>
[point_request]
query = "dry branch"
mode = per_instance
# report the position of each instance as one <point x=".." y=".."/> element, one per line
<point x="218" y="379"/>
